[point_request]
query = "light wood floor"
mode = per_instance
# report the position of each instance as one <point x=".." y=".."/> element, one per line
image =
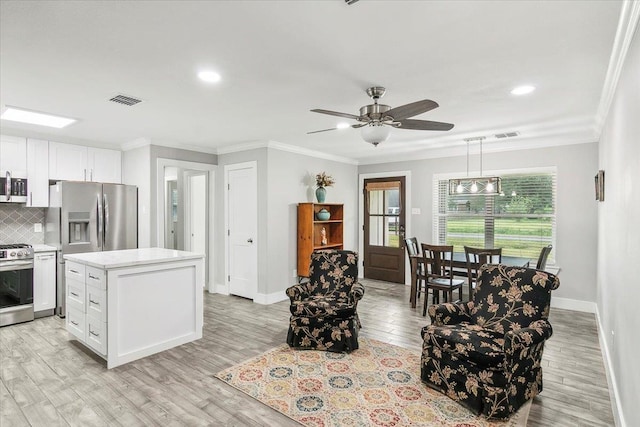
<point x="46" y="379"/>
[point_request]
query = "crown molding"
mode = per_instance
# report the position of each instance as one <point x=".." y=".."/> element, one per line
<point x="143" y="142"/>
<point x="284" y="147"/>
<point x="136" y="143"/>
<point x="627" y="25"/>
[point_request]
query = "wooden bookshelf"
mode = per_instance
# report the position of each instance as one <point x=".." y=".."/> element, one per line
<point x="310" y="231"/>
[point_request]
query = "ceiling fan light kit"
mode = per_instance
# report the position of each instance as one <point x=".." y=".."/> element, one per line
<point x="377" y="120"/>
<point x="375" y="133"/>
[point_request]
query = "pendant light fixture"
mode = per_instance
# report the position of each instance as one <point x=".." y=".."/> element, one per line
<point x="475" y="185"/>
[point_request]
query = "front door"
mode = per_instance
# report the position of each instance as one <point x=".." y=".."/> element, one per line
<point x="384" y="225"/>
<point x="242" y="228"/>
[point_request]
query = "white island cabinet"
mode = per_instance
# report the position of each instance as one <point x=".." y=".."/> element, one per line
<point x="129" y="304"/>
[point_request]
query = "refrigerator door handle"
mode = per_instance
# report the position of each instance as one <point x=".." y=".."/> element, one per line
<point x="7" y="186"/>
<point x="106" y="220"/>
<point x="100" y="220"/>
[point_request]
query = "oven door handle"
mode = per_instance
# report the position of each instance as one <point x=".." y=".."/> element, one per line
<point x="15" y="265"/>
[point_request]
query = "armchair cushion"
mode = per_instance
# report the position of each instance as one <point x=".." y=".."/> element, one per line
<point x="481" y="347"/>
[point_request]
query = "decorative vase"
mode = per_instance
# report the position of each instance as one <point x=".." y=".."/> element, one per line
<point x="323" y="215"/>
<point x="321" y="193"/>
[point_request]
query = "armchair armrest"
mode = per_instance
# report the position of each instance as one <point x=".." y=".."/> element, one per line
<point x="296" y="292"/>
<point x="357" y="292"/>
<point x="450" y="313"/>
<point x="524" y="342"/>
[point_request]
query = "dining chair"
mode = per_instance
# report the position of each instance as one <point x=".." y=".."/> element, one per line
<point x="417" y="265"/>
<point x="542" y="258"/>
<point x="438" y="261"/>
<point x="476" y="258"/>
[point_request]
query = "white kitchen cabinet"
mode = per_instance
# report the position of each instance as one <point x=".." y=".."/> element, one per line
<point x="44" y="282"/>
<point x="104" y="165"/>
<point x="13" y="155"/>
<point x="37" y="173"/>
<point x="79" y="163"/>
<point x="118" y="301"/>
<point x="67" y="162"/>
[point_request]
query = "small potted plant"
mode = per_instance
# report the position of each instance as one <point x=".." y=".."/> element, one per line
<point x="323" y="180"/>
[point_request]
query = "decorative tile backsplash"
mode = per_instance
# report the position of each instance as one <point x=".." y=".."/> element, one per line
<point x="16" y="224"/>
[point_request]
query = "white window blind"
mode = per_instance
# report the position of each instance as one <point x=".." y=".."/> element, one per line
<point x="521" y="221"/>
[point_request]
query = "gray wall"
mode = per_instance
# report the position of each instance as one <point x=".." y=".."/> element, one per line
<point x="619" y="238"/>
<point x="576" y="209"/>
<point x="284" y="180"/>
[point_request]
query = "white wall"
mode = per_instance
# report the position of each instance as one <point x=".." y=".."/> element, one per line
<point x="284" y="180"/>
<point x="291" y="180"/>
<point x="619" y="239"/>
<point x="136" y="171"/>
<point x="576" y="209"/>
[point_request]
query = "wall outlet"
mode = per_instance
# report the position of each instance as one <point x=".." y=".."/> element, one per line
<point x="295" y="273"/>
<point x="37" y="227"/>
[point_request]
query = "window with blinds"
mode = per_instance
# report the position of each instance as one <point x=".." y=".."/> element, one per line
<point x="521" y="220"/>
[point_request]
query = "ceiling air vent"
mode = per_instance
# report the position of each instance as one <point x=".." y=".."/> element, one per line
<point x="126" y="100"/>
<point x="506" y="135"/>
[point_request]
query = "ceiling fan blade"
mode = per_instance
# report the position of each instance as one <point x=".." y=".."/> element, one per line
<point x="322" y="130"/>
<point x="409" y="110"/>
<point x="424" y="125"/>
<point x="335" y="113"/>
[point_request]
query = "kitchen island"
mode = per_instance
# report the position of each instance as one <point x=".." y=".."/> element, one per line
<point x="129" y="304"/>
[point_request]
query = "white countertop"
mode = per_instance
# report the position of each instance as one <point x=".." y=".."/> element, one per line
<point x="43" y="248"/>
<point x="131" y="257"/>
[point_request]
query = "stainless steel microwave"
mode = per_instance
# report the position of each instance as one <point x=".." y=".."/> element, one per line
<point x="13" y="189"/>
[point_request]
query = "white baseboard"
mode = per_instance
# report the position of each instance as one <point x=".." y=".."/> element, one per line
<point x="614" y="396"/>
<point x="270" y="298"/>
<point x="573" y="304"/>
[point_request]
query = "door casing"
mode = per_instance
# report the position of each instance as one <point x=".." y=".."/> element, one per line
<point x="361" y="212"/>
<point x="251" y="250"/>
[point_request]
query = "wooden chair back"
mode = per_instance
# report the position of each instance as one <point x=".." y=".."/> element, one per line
<point x="438" y="259"/>
<point x="542" y="259"/>
<point x="476" y="258"/>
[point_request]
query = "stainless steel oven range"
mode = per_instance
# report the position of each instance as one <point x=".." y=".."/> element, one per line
<point x="16" y="284"/>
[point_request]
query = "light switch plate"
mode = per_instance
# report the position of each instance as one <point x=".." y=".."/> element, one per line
<point x="37" y="227"/>
<point x="415" y="211"/>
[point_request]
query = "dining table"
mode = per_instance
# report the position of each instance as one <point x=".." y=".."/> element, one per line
<point x="459" y="265"/>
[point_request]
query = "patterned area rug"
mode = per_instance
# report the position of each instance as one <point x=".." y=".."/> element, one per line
<point x="377" y="385"/>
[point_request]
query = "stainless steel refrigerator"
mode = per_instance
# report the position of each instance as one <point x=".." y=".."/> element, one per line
<point x="89" y="217"/>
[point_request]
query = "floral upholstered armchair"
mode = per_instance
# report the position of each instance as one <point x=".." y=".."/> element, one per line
<point x="486" y="353"/>
<point x="323" y="310"/>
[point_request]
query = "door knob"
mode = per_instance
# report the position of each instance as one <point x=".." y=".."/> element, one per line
<point x="249" y="240"/>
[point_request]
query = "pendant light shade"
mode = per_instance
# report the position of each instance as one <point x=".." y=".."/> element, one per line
<point x="375" y="133"/>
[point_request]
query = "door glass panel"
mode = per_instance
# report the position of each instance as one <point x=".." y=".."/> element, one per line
<point x="376" y="202"/>
<point x="376" y="231"/>
<point x="392" y="238"/>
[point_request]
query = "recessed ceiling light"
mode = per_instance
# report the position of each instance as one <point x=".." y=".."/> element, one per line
<point x="522" y="90"/>
<point x="35" y="118"/>
<point x="343" y="125"/>
<point x="209" y="76"/>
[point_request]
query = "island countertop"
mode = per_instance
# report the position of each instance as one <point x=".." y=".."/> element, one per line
<point x="131" y="257"/>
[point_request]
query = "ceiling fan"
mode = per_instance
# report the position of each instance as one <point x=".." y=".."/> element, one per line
<point x="376" y="120"/>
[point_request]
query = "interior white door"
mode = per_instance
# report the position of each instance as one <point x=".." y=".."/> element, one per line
<point x="197" y="211"/>
<point x="242" y="223"/>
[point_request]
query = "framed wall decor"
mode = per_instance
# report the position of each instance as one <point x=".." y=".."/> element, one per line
<point x="599" y="186"/>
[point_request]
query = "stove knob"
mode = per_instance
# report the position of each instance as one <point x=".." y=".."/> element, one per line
<point x="12" y="254"/>
<point x="22" y="253"/>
